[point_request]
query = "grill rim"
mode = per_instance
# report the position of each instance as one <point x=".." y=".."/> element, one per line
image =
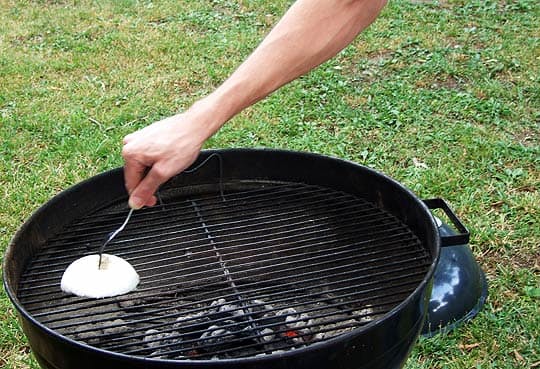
<point x="75" y="191"/>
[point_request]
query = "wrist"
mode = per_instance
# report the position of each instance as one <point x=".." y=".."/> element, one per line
<point x="229" y="99"/>
<point x="208" y="115"/>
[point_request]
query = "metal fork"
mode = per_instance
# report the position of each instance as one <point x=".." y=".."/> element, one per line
<point x="112" y="235"/>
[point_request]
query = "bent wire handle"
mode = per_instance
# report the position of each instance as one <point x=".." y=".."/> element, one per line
<point x="220" y="160"/>
<point x="461" y="238"/>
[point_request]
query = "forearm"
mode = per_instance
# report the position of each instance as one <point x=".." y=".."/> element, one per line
<point x="311" y="32"/>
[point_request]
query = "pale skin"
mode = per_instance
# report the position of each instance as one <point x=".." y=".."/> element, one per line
<point x="310" y="33"/>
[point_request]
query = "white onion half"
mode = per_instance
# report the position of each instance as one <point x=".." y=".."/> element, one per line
<point x="84" y="278"/>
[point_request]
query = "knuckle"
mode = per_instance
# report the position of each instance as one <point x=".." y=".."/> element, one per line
<point x="128" y="152"/>
<point x="160" y="173"/>
<point x="127" y="139"/>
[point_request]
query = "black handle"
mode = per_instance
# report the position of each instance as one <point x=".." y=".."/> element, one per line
<point x="461" y="238"/>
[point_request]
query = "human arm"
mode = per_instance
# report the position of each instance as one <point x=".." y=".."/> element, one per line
<point x="310" y="32"/>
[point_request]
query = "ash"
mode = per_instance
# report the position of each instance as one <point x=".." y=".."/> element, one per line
<point x="225" y="329"/>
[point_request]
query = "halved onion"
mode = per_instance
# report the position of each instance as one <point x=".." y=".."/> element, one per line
<point x="85" y="278"/>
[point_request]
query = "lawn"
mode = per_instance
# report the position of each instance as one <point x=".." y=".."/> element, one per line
<point x="443" y="96"/>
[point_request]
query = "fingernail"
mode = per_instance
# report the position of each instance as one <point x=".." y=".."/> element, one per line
<point x="135" y="203"/>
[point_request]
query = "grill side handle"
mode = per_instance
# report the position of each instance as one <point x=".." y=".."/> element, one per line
<point x="460" y="238"/>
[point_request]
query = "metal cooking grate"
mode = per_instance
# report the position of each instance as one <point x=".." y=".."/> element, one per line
<point x="267" y="268"/>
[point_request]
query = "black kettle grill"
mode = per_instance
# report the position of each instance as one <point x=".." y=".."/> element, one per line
<point x="259" y="259"/>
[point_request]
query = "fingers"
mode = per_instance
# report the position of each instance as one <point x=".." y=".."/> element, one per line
<point x="143" y="193"/>
<point x="134" y="172"/>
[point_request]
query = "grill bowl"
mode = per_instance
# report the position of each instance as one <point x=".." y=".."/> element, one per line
<point x="382" y="343"/>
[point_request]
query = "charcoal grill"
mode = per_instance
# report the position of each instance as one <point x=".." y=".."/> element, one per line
<point x="259" y="259"/>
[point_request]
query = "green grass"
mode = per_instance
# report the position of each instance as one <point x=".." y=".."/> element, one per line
<point x="442" y="95"/>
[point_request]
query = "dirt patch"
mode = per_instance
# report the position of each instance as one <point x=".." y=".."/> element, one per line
<point x="380" y="56"/>
<point x="356" y="101"/>
<point x="524" y="261"/>
<point x="490" y="260"/>
<point x="528" y="138"/>
<point x="447" y="82"/>
<point x="370" y="67"/>
<point x="26" y="40"/>
<point x="439" y="3"/>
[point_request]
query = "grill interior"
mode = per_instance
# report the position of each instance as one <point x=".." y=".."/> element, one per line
<point x="267" y="267"/>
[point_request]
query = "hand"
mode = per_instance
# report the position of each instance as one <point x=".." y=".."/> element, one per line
<point x="156" y="153"/>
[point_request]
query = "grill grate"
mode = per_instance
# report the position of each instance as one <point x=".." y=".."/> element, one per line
<point x="267" y="268"/>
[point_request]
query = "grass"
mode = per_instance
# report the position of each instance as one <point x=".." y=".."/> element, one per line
<point x="442" y="95"/>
